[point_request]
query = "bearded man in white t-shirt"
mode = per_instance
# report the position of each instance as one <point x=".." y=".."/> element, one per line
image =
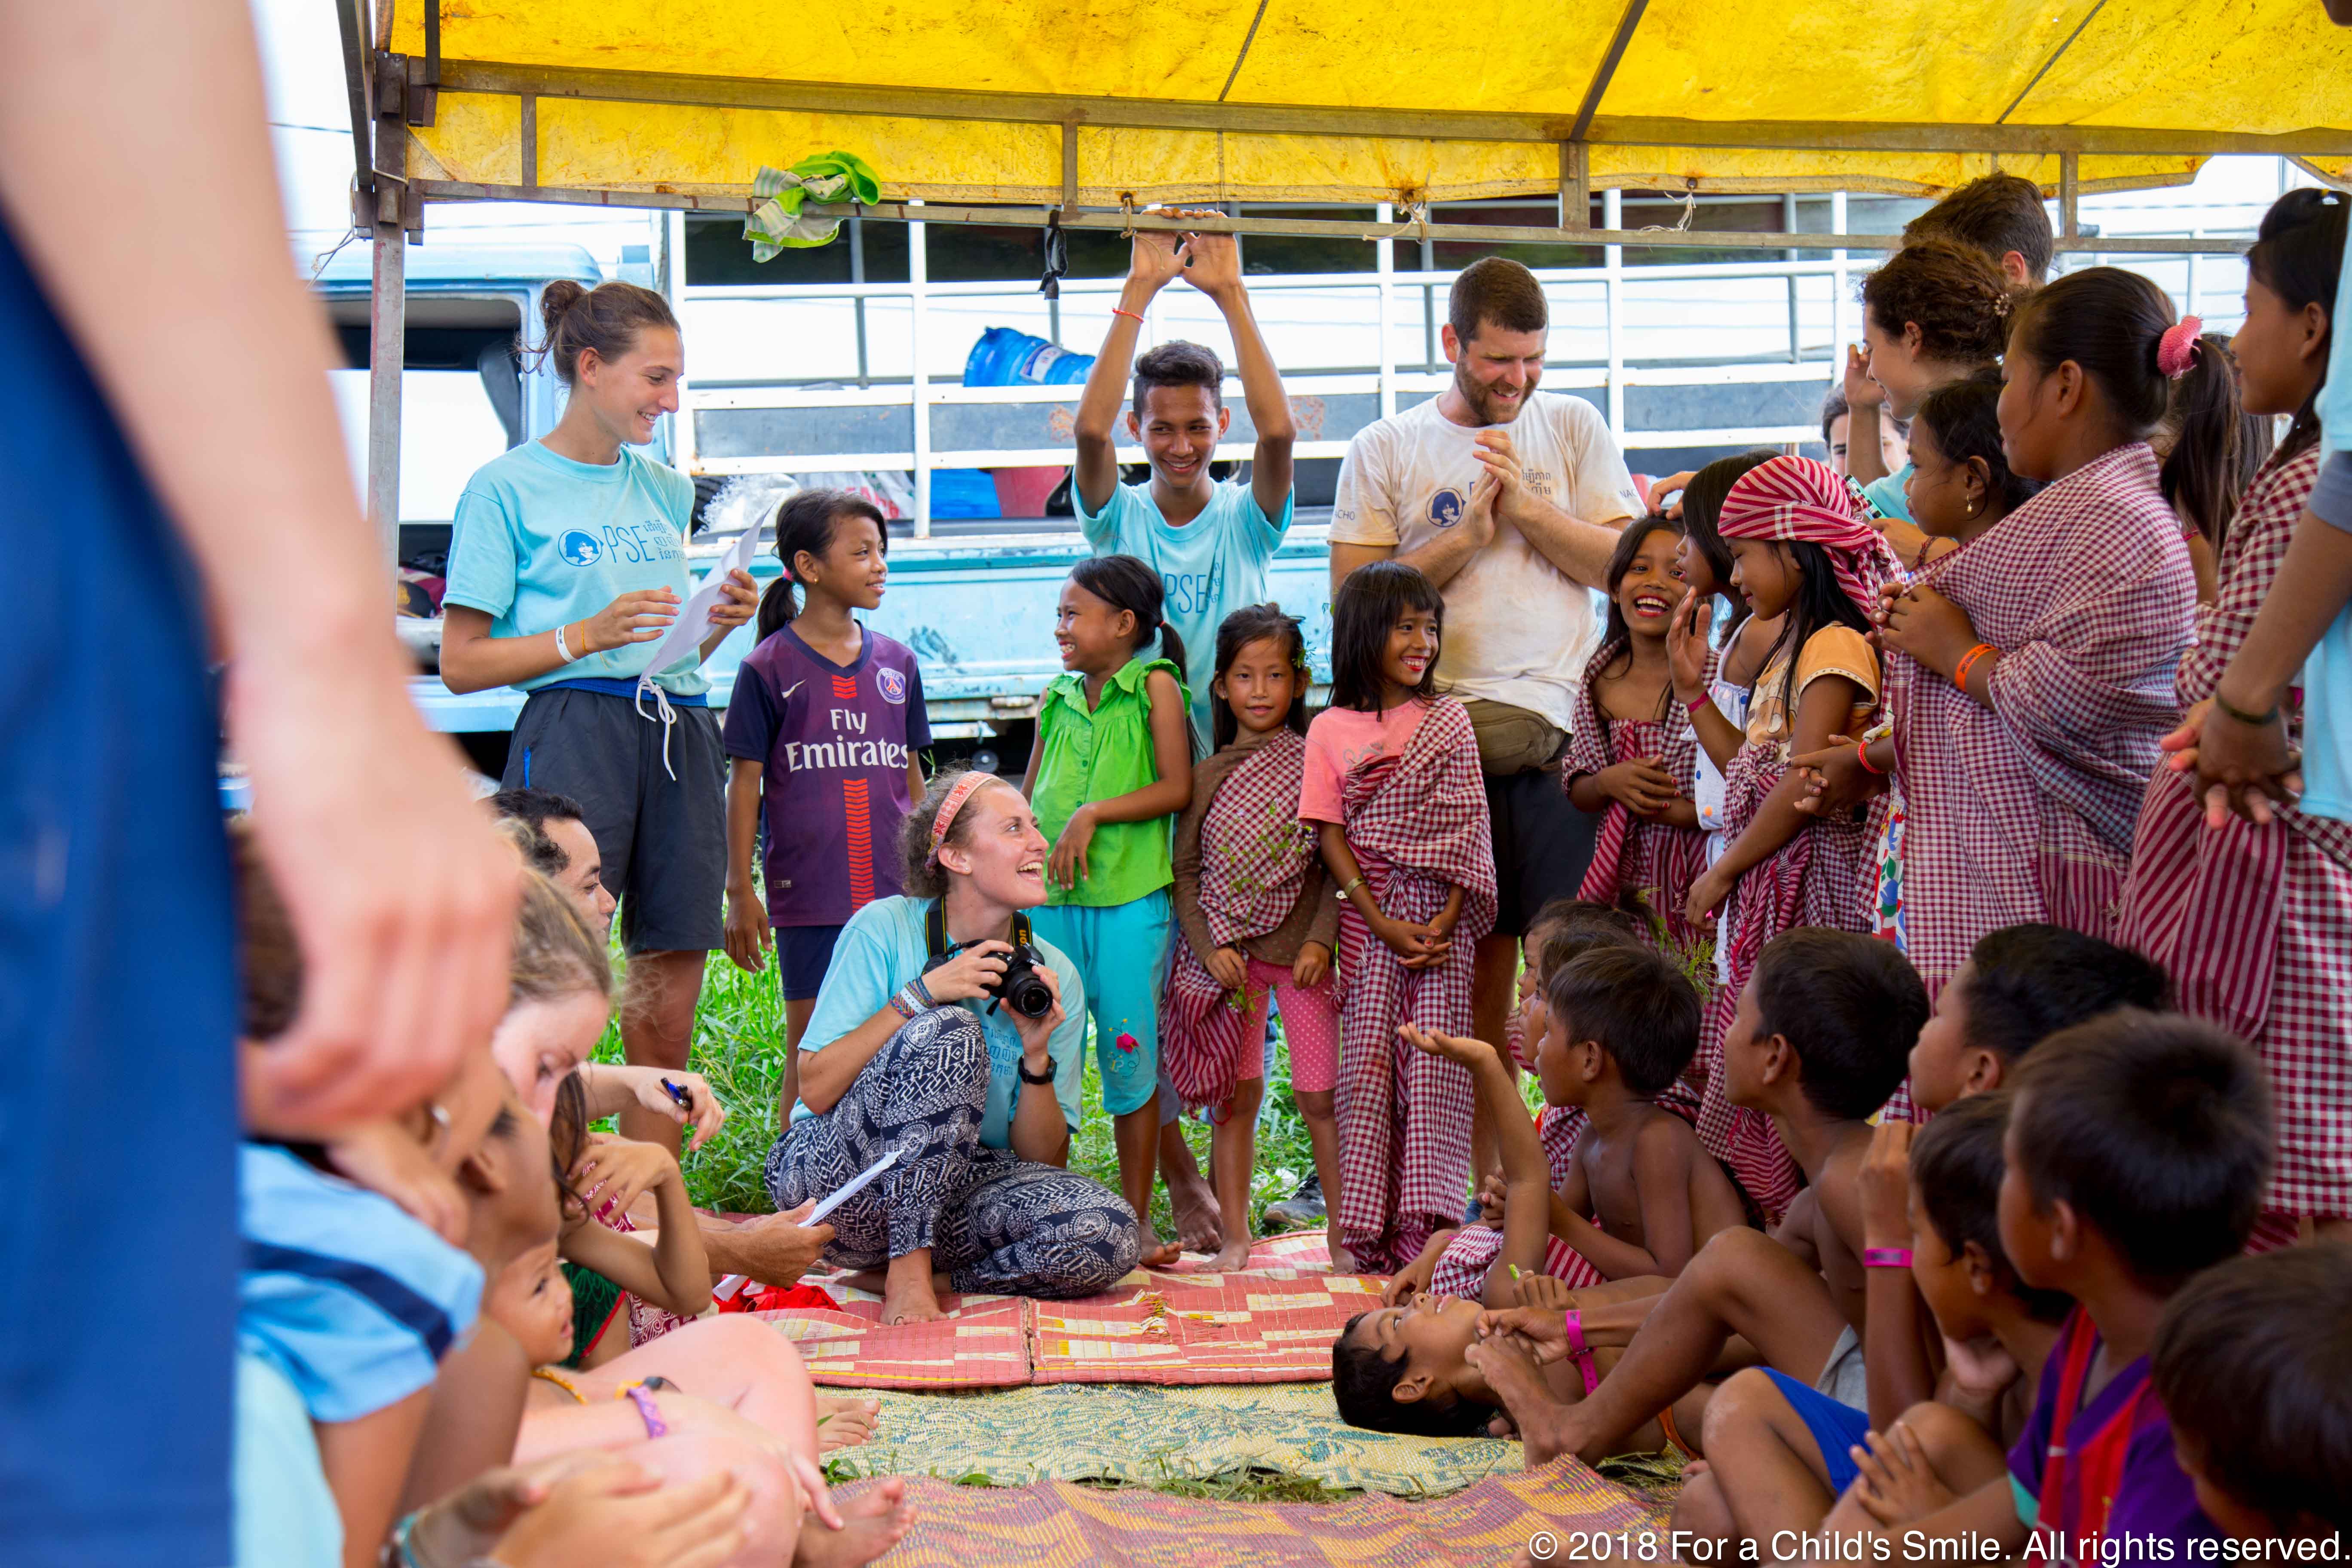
<point x="1510" y="501"/>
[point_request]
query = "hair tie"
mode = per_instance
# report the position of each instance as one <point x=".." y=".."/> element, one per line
<point x="2178" y="348"/>
<point x="963" y="790"/>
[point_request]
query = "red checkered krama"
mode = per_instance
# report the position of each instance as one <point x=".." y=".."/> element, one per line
<point x="1254" y="853"/>
<point x="1631" y="857"/>
<point x="1418" y="826"/>
<point x="2024" y="811"/>
<point x="2254" y="923"/>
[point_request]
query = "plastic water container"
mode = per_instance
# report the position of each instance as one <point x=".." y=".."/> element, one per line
<point x="1006" y="357"/>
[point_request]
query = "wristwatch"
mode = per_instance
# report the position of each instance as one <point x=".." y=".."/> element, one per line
<point x="1046" y="1077"/>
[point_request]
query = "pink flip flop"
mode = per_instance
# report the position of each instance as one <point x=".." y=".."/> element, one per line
<point x="1572" y="1320"/>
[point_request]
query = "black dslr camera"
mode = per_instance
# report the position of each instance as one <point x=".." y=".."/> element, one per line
<point x="1020" y="988"/>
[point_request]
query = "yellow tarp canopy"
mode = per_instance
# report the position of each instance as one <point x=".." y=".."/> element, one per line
<point x="1400" y="101"/>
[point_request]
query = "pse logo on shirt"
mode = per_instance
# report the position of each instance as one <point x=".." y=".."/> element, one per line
<point x="891" y="683"/>
<point x="651" y="540"/>
<point x="1190" y="593"/>
<point x="1445" y="508"/>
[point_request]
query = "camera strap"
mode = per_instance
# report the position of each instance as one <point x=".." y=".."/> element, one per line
<point x="935" y="932"/>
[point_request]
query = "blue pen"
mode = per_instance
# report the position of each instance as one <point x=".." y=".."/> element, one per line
<point x="683" y="1095"/>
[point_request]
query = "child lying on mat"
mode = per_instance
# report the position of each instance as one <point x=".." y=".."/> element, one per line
<point x="1406" y="1368"/>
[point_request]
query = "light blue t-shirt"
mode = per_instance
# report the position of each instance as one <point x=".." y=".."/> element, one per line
<point x="2327" y="673"/>
<point x="1210" y="567"/>
<point x="342" y="1293"/>
<point x="540" y="541"/>
<point x="286" y="1512"/>
<point x="881" y="949"/>
<point x="1886" y="493"/>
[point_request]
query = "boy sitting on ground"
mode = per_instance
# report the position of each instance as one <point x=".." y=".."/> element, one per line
<point x="2022" y="984"/>
<point x="1778" y="1453"/>
<point x="2135" y="1158"/>
<point x="2253" y="1363"/>
<point x="1460" y="1262"/>
<point x="1820" y="1040"/>
<point x="1623" y="1024"/>
<point x="1404" y="1368"/>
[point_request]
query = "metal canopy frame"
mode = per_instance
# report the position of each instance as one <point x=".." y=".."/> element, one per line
<point x="389" y="92"/>
<point x="1305" y="119"/>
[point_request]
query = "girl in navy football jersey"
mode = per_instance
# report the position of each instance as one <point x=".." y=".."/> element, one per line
<point x="825" y="726"/>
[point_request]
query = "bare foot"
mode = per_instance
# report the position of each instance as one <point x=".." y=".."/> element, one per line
<point x="1232" y="1257"/>
<point x="1546" y="1427"/>
<point x="910" y="1295"/>
<point x="845" y="1423"/>
<point x="871" y="1523"/>
<point x="1158" y="1253"/>
<point x="1343" y="1261"/>
<point x="1200" y="1223"/>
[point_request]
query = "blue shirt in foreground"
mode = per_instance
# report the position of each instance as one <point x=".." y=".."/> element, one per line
<point x="881" y="949"/>
<point x="1210" y="567"/>
<point x="2327" y="674"/>
<point x="540" y="541"/>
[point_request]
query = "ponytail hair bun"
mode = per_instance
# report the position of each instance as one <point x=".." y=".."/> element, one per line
<point x="606" y="318"/>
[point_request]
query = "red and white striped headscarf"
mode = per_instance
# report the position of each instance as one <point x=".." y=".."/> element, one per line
<point x="1792" y="498"/>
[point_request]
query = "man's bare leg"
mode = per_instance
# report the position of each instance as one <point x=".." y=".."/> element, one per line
<point x="657" y="1006"/>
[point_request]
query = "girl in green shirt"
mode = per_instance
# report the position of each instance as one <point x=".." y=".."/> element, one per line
<point x="1111" y="768"/>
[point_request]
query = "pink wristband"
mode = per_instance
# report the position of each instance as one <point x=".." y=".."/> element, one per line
<point x="647" y="1410"/>
<point x="1886" y="1258"/>
<point x="1695" y="706"/>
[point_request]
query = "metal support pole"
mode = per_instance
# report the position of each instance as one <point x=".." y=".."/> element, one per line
<point x="1788" y="223"/>
<point x="858" y="305"/>
<point x="1429" y="361"/>
<point x="1612" y="214"/>
<point x="919" y="278"/>
<point x="2069" y="195"/>
<point x="387" y="348"/>
<point x="1839" y="284"/>
<point x="387" y="307"/>
<point x="674" y="280"/>
<point x="1386" y="214"/>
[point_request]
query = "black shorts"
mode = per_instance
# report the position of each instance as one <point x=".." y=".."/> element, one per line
<point x="803" y="955"/>
<point x="663" y="840"/>
<point x="1543" y="845"/>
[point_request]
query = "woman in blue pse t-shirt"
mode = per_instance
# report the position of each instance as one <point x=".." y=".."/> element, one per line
<point x="566" y="562"/>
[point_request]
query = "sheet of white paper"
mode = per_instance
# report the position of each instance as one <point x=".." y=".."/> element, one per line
<point x="693" y="623"/>
<point x="849" y="1190"/>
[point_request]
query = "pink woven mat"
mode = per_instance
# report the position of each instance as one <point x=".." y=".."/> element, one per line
<point x="1272" y="1323"/>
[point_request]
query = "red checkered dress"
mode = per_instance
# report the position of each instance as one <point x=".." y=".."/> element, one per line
<point x="1633" y="859"/>
<point x="1417" y="823"/>
<point x="1255" y="854"/>
<point x="2024" y="811"/>
<point x="1826" y="876"/>
<point x="2254" y="924"/>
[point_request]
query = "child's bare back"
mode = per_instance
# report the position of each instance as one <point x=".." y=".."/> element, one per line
<point x="1652" y="1185"/>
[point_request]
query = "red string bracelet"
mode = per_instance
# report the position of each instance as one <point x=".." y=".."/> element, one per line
<point x="1132" y="315"/>
<point x="1861" y="755"/>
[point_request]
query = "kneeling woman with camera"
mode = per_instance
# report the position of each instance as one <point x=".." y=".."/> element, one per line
<point x="940" y="1033"/>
